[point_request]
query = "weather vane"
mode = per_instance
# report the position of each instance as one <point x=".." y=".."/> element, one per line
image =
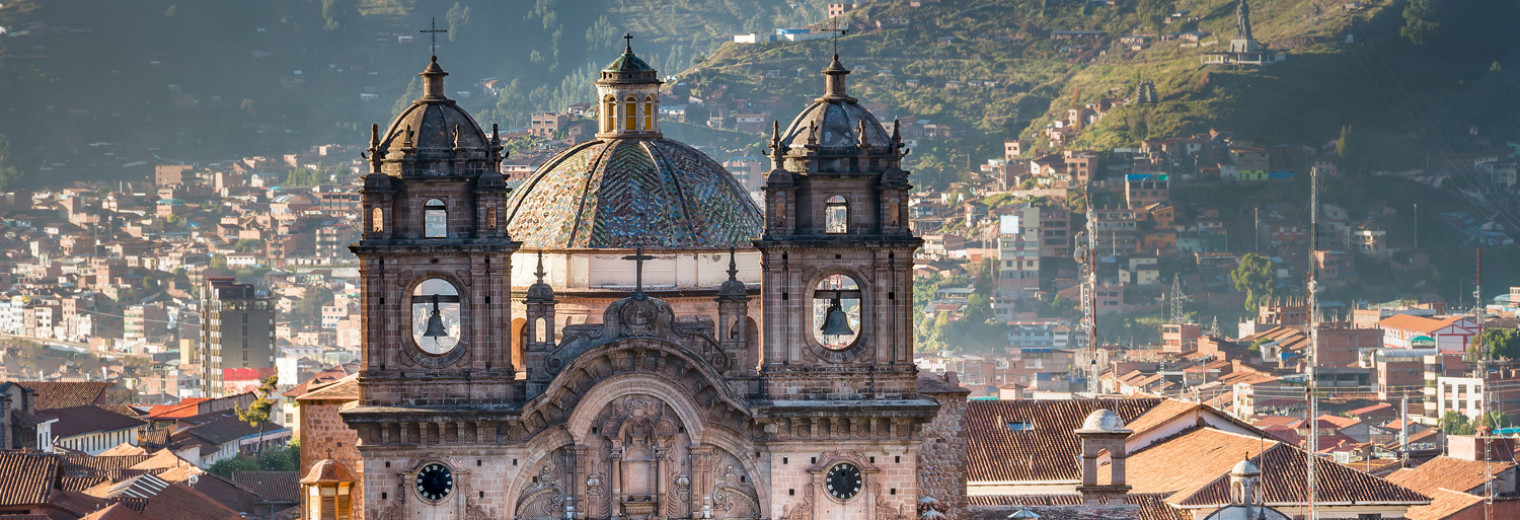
<point x="433" y="31"/>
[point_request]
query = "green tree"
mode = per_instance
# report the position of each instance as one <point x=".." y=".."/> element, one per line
<point x="1498" y="343"/>
<point x="224" y="468"/>
<point x="1343" y="145"/>
<point x="337" y="14"/>
<point x="1153" y="12"/>
<point x="257" y="413"/>
<point x="1256" y="276"/>
<point x="248" y="245"/>
<point x="9" y="174"/>
<point x="308" y="309"/>
<point x="1420" y="21"/>
<point x="458" y="17"/>
<point x="1454" y="423"/>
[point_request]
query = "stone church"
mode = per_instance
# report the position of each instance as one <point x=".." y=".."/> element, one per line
<point x="627" y="335"/>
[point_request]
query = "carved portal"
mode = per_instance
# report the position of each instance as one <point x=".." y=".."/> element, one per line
<point x="637" y="462"/>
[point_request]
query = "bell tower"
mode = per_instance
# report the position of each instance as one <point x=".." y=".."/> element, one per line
<point x="838" y="255"/>
<point x="839" y="397"/>
<point x="434" y="267"/>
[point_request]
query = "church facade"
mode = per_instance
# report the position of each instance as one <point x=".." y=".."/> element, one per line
<point x="628" y="336"/>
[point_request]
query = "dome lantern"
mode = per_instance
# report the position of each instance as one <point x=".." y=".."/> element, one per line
<point x="628" y="95"/>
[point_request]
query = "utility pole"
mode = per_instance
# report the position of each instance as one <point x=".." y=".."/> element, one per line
<point x="1485" y="406"/>
<point x="1310" y="376"/>
<point x="1417" y="226"/>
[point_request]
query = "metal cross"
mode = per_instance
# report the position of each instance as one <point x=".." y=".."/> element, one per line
<point x="433" y="31"/>
<point x="638" y="270"/>
<point x="628" y="43"/>
<point x="838" y="33"/>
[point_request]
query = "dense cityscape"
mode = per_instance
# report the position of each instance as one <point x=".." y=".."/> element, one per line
<point x="737" y="289"/>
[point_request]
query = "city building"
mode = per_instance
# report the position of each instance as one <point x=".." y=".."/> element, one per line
<point x="237" y="332"/>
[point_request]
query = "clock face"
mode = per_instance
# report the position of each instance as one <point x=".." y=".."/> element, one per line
<point x="843" y="481"/>
<point x="434" y="482"/>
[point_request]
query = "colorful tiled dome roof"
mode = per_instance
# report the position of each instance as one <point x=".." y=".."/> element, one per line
<point x="624" y="193"/>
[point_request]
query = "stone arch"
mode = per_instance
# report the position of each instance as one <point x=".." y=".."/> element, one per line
<point x="519" y="344"/>
<point x="648" y="357"/>
<point x="541" y="447"/>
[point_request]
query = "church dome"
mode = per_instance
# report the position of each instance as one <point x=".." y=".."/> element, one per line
<point x="433" y="136"/>
<point x="1103" y="420"/>
<point x="625" y="193"/>
<point x="835" y="120"/>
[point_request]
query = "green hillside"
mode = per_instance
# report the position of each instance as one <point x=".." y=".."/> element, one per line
<point x="1346" y="67"/>
<point x="154" y="80"/>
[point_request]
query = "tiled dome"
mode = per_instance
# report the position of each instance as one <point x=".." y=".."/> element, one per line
<point x="624" y="193"/>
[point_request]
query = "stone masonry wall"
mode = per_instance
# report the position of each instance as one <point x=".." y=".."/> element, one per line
<point x="323" y="430"/>
<point x="942" y="459"/>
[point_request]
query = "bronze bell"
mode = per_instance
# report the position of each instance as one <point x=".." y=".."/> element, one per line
<point x="435" y="328"/>
<point x="836" y="323"/>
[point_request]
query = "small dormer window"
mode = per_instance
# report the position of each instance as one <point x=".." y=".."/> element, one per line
<point x="435" y="219"/>
<point x="836" y="215"/>
<point x="1020" y="426"/>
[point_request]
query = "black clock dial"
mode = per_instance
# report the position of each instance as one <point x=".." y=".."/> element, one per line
<point x="434" y="482"/>
<point x="843" y="481"/>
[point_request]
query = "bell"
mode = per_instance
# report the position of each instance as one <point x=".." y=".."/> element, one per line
<point x="836" y="324"/>
<point x="435" y="328"/>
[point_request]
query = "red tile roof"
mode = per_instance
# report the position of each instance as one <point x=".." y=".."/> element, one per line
<point x="273" y="486"/>
<point x="27" y="478"/>
<point x="78" y="420"/>
<point x="1147" y="506"/>
<point x="1412" y="323"/>
<point x="1444" y="504"/>
<point x="1045" y="452"/>
<point x="1211" y="454"/>
<point x="65" y="394"/>
<point x="115" y="512"/>
<point x="1448" y="473"/>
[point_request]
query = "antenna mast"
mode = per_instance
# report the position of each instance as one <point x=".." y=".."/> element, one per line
<point x="1091" y="305"/>
<point x="1310" y="375"/>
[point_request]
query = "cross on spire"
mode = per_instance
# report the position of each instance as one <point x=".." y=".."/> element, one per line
<point x="627" y="43"/>
<point x="433" y="32"/>
<point x="638" y="271"/>
<point x="837" y="34"/>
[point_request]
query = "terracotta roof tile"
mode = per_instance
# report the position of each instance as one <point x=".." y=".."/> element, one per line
<point x="1444" y="503"/>
<point x="995" y="452"/>
<point x="1148" y="506"/>
<point x="345" y="389"/>
<point x="1449" y="473"/>
<point x="78" y="420"/>
<point x="115" y="512"/>
<point x="179" y="501"/>
<point x="274" y="486"/>
<point x="27" y="478"/>
<point x="1412" y="323"/>
<point x="65" y="394"/>
<point x="1211" y="453"/>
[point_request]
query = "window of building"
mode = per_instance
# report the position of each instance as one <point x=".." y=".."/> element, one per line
<point x="1020" y="426"/>
<point x="630" y="115"/>
<point x="609" y="114"/>
<point x="836" y="311"/>
<point x="436" y="323"/>
<point x="648" y="114"/>
<point x="377" y="220"/>
<point x="836" y="215"/>
<point x="435" y="219"/>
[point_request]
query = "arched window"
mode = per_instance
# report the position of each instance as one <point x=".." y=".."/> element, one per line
<point x="836" y="311"/>
<point x="541" y="330"/>
<point x="609" y="114"/>
<point x="435" y="219"/>
<point x="491" y="218"/>
<point x="836" y="215"/>
<point x="377" y="220"/>
<point x="436" y="323"/>
<point x="630" y="115"/>
<point x="649" y="114"/>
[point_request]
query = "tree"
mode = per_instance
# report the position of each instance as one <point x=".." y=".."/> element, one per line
<point x="1454" y="423"/>
<point x="224" y="468"/>
<point x="308" y="309"/>
<point x="1153" y="12"/>
<point x="9" y="174"/>
<point x="338" y="13"/>
<point x="1420" y="21"/>
<point x="257" y="413"/>
<point x="1256" y="276"/>
<point x="1498" y="343"/>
